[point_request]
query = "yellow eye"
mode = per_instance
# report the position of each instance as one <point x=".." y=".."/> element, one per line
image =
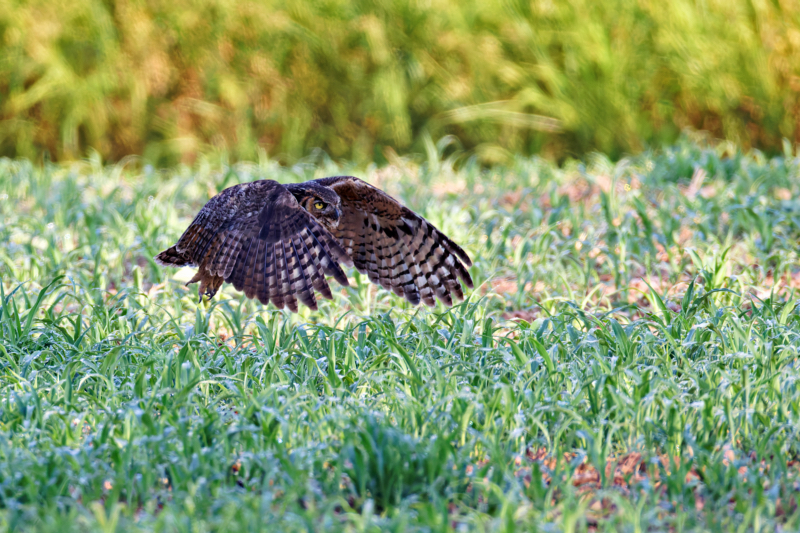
<point x="318" y="205"/>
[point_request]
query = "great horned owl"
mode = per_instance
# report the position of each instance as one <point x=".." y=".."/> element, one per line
<point x="277" y="242"/>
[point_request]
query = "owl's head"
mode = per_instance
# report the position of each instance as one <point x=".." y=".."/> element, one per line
<point x="320" y="201"/>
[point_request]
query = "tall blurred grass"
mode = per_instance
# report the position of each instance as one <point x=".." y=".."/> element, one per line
<point x="363" y="79"/>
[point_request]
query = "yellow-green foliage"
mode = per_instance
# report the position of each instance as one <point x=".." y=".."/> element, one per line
<point x="170" y="79"/>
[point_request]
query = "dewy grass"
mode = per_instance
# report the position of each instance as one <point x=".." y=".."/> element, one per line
<point x="628" y="360"/>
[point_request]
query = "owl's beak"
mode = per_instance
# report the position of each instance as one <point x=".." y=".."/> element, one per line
<point x="337" y="214"/>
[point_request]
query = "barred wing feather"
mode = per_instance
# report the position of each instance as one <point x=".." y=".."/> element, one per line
<point x="395" y="247"/>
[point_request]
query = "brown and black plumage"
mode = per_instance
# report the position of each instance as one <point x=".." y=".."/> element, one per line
<point x="278" y="242"/>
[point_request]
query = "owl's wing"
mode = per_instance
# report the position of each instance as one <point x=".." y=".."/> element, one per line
<point x="396" y="247"/>
<point x="258" y="238"/>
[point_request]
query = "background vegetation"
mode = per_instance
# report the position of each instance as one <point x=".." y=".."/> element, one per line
<point x="628" y="360"/>
<point x="363" y="80"/>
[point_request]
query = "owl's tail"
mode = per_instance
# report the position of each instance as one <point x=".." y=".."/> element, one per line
<point x="172" y="257"/>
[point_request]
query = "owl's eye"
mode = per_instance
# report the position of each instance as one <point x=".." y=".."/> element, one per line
<point x="319" y="205"/>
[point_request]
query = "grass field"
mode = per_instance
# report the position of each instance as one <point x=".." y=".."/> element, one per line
<point x="627" y="361"/>
<point x="364" y="80"/>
